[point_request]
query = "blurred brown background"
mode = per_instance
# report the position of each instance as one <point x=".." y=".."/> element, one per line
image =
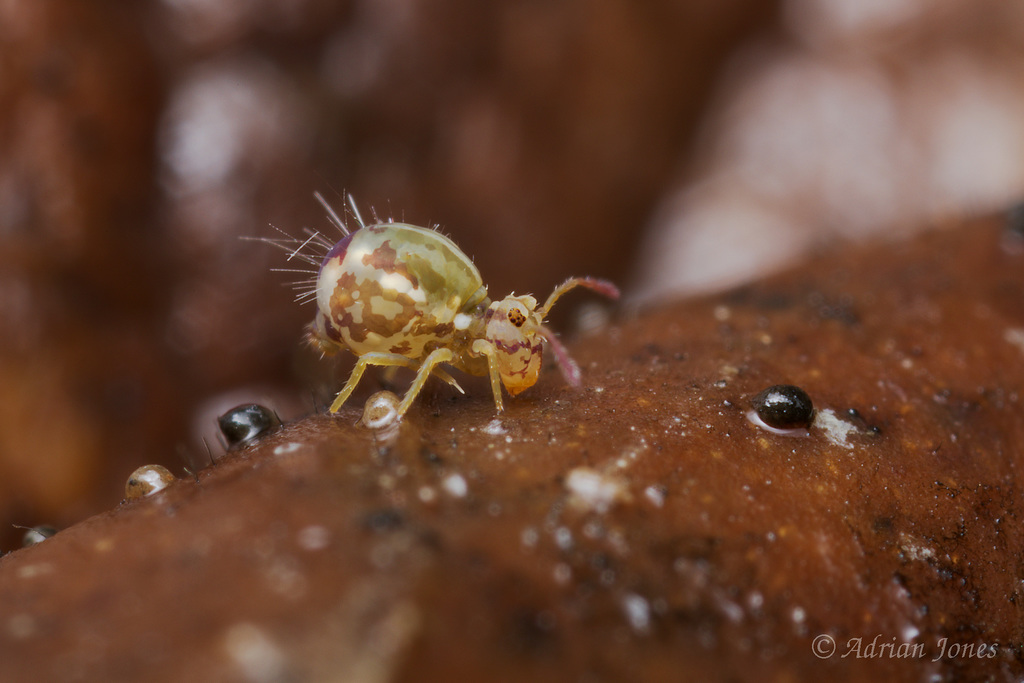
<point x="670" y="146"/>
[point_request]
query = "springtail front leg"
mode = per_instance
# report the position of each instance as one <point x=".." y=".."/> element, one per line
<point x="485" y="348"/>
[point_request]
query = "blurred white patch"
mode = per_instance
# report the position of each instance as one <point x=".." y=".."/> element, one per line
<point x="835" y="430"/>
<point x="822" y="22"/>
<point x="258" y="658"/>
<point x="592" y="490"/>
<point x="637" y="611"/>
<point x="455" y="485"/>
<point x="813" y="144"/>
<point x="229" y="122"/>
<point x="358" y="56"/>
<point x="314" y="537"/>
<point x="1015" y="335"/>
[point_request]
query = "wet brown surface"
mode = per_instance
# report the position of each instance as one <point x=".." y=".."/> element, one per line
<point x="640" y="528"/>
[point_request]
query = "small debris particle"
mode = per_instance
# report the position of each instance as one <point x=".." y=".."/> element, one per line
<point x="455" y="485"/>
<point x="835" y="430"/>
<point x="656" y="495"/>
<point x="314" y="537"/>
<point x="287" y="448"/>
<point x="427" y="494"/>
<point x="529" y="537"/>
<point x="914" y="550"/>
<point x="592" y="490"/>
<point x="637" y="611"/>
<point x="562" y="573"/>
<point x="494" y="428"/>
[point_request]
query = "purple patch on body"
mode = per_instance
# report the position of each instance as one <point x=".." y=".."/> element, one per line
<point x="338" y="250"/>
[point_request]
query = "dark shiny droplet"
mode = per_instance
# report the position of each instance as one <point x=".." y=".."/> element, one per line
<point x="37" y="534"/>
<point x="784" y="406"/>
<point x="247" y="422"/>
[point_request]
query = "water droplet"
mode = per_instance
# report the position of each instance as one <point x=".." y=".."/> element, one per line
<point x="147" y="480"/>
<point x="37" y="534"/>
<point x="381" y="411"/>
<point x="784" y="406"/>
<point x="246" y="422"/>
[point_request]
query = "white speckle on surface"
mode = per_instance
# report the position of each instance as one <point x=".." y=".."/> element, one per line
<point x="529" y="537"/>
<point x="656" y="495"/>
<point x="909" y="632"/>
<point x="835" y="430"/>
<point x="314" y="537"/>
<point x="592" y="490"/>
<point x="915" y="550"/>
<point x="462" y="321"/>
<point x="254" y="652"/>
<point x="563" y="538"/>
<point x="562" y="573"/>
<point x="722" y="313"/>
<point x="455" y="485"/>
<point x="1015" y="335"/>
<point x="494" y="428"/>
<point x="730" y="610"/>
<point x="287" y="448"/>
<point x="427" y="494"/>
<point x="798" y="615"/>
<point x="30" y="571"/>
<point x="637" y="611"/>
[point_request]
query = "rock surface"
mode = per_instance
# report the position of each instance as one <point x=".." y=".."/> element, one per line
<point x="640" y="528"/>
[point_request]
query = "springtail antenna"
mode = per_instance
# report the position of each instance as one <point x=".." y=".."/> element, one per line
<point x="600" y="286"/>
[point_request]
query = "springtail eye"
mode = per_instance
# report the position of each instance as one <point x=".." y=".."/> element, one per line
<point x="516" y="317"/>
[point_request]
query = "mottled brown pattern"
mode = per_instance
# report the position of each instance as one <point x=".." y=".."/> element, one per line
<point x="341" y="305"/>
<point x="444" y="329"/>
<point x="385" y="258"/>
<point x="386" y="324"/>
<point x="403" y="349"/>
